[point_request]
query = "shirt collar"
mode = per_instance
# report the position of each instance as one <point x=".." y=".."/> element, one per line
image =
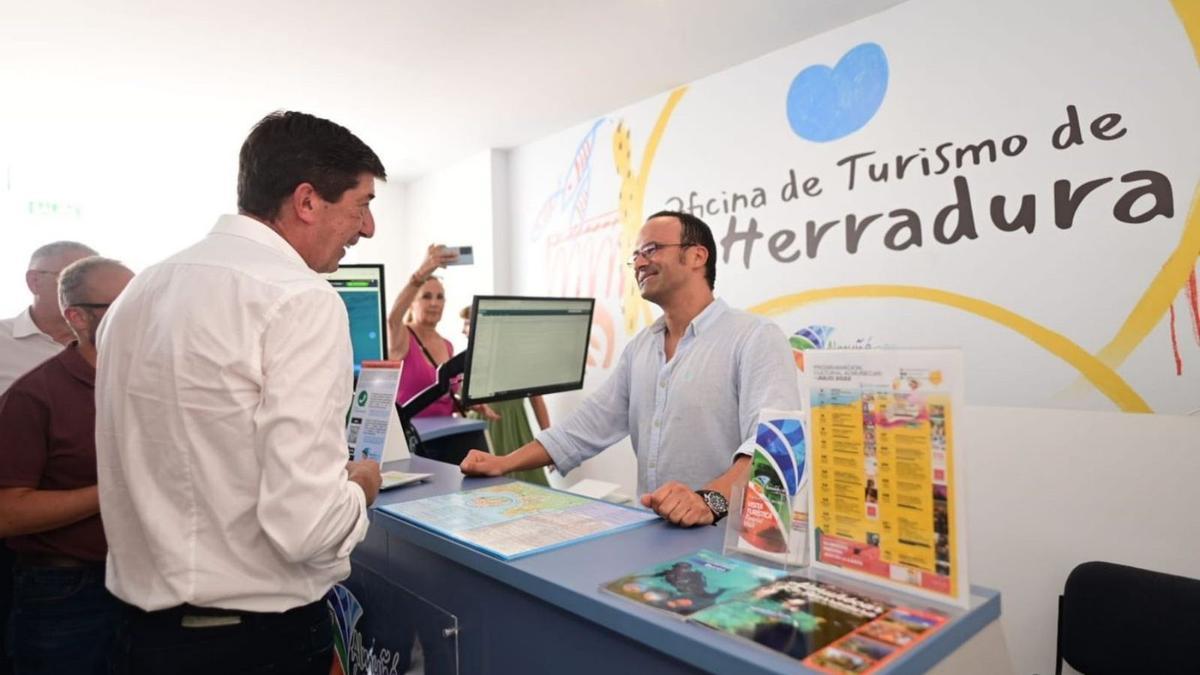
<point x="237" y="225"/>
<point x="23" y="326"/>
<point x="702" y="322"/>
<point x="75" y="364"/>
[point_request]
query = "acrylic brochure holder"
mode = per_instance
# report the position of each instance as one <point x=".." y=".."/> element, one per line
<point x="768" y="511"/>
<point x="885" y="454"/>
<point x="373" y="429"/>
<point x="866" y="482"/>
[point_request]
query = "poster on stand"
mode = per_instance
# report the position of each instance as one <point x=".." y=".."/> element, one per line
<point x="887" y="501"/>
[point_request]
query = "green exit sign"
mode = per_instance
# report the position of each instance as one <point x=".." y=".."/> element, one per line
<point x="43" y="208"/>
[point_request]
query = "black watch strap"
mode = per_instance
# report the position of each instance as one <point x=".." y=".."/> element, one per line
<point x="716" y="503"/>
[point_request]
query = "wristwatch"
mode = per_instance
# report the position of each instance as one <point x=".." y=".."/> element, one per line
<point x="716" y="503"/>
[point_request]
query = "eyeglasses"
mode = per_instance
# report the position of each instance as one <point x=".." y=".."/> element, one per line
<point x="649" y="250"/>
<point x="93" y="305"/>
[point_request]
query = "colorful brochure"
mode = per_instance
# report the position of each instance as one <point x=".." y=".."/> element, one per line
<point x="771" y="515"/>
<point x="886" y="475"/>
<point x="369" y="424"/>
<point x="691" y="583"/>
<point x="829" y="628"/>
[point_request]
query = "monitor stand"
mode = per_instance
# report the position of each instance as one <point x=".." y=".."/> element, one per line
<point x="407" y="411"/>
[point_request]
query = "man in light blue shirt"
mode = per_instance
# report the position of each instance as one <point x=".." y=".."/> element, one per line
<point x="687" y="390"/>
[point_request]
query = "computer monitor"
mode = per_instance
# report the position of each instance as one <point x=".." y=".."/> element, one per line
<point x="526" y="346"/>
<point x="361" y="288"/>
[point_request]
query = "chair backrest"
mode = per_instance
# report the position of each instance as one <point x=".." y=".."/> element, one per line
<point x="1120" y="619"/>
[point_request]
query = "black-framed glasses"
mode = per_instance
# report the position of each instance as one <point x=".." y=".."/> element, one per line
<point x="92" y="305"/>
<point x="649" y="250"/>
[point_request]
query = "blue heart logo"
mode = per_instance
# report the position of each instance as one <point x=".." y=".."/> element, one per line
<point x="825" y="104"/>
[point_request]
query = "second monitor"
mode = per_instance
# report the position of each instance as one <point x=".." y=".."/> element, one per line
<point x="525" y="346"/>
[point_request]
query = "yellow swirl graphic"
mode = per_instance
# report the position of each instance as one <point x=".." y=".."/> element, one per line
<point x="1100" y="375"/>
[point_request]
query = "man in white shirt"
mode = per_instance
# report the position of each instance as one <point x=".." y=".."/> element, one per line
<point x="26" y="340"/>
<point x="40" y="331"/>
<point x="225" y="373"/>
<point x="688" y="389"/>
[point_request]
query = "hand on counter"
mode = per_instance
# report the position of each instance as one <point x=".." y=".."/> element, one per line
<point x="480" y="463"/>
<point x="679" y="505"/>
<point x="366" y="473"/>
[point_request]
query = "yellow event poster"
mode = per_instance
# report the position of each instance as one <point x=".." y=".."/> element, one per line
<point x="886" y="492"/>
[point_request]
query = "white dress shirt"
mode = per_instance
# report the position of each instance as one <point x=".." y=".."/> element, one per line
<point x="23" y="347"/>
<point x="690" y="416"/>
<point x="224" y="377"/>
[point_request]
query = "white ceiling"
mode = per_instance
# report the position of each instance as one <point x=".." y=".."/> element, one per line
<point x="425" y="83"/>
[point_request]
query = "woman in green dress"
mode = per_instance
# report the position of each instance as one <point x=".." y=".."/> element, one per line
<point x="512" y="430"/>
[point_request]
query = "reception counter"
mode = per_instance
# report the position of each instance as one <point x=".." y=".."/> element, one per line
<point x="545" y="613"/>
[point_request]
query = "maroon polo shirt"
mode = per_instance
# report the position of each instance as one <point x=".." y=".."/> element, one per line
<point x="48" y="442"/>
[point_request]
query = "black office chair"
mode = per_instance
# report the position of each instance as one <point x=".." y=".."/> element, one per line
<point x="1119" y="619"/>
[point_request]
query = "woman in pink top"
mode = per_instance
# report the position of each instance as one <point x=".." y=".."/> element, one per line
<point x="414" y="338"/>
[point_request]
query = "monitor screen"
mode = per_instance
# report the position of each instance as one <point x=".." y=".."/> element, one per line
<point x="361" y="288"/>
<point x="525" y="346"/>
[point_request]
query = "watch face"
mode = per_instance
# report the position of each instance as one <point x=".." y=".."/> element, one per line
<point x="716" y="502"/>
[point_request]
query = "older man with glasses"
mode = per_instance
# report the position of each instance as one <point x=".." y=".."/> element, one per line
<point x="688" y="389"/>
<point x="40" y="331"/>
<point x="62" y="618"/>
<point x="36" y="334"/>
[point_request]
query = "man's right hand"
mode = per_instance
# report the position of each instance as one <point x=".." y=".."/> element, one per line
<point x="366" y="473"/>
<point x="480" y="463"/>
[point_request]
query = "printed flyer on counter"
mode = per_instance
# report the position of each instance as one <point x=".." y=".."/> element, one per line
<point x="829" y="628"/>
<point x="518" y="519"/>
<point x="886" y="488"/>
<point x="369" y="421"/>
<point x="691" y="583"/>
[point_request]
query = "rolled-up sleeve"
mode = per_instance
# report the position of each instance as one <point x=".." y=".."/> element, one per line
<point x="601" y="420"/>
<point x="309" y="510"/>
<point x="767" y="379"/>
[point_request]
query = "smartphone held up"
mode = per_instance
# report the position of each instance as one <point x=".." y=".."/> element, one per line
<point x="466" y="254"/>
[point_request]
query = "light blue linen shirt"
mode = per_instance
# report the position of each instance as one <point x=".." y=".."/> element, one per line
<point x="687" y="417"/>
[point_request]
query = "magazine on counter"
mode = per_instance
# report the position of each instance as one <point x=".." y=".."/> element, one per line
<point x="827" y="627"/>
<point x="691" y="583"/>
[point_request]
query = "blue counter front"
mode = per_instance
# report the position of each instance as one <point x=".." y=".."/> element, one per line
<point x="545" y="613"/>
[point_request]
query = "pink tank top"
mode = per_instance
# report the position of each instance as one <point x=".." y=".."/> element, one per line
<point x="419" y="373"/>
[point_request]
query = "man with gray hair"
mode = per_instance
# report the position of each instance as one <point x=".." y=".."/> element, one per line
<point x="27" y="339"/>
<point x="63" y="618"/>
<point x="40" y="331"/>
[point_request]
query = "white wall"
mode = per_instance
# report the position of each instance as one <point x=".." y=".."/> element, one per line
<point x="86" y="188"/>
<point x="137" y="189"/>
<point x="454" y="207"/>
<point x="729" y="132"/>
<point x="1047" y="490"/>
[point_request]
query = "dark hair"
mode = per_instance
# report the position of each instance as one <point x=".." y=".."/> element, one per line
<point x="286" y="149"/>
<point x="696" y="233"/>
